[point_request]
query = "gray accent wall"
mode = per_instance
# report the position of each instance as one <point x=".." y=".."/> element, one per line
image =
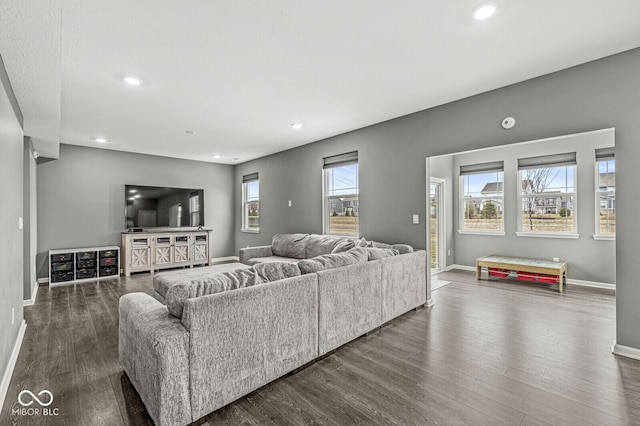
<point x="11" y="237"/>
<point x="81" y="197"/>
<point x="596" y="95"/>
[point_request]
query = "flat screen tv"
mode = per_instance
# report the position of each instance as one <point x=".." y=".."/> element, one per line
<point x="160" y="207"/>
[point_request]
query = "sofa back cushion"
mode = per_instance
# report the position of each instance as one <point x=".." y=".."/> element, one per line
<point x="202" y="286"/>
<point x="274" y="271"/>
<point x="290" y="245"/>
<point x="402" y="248"/>
<point x="335" y="260"/>
<point x="380" y="253"/>
<point x="318" y="245"/>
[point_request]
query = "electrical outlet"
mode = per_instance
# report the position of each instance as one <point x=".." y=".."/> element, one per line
<point x="20" y="223"/>
<point x="556" y="259"/>
<point x="289" y="203"/>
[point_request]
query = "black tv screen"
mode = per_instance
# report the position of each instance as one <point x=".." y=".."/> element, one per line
<point x="155" y="206"/>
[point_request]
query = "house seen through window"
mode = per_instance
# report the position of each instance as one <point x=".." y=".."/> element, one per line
<point x="547" y="193"/>
<point x="251" y="202"/>
<point x="605" y="192"/>
<point x="341" y="195"/>
<point x="482" y="196"/>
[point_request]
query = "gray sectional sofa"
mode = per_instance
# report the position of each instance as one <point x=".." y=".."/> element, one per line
<point x="223" y="335"/>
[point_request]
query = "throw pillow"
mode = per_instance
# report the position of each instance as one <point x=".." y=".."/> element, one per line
<point x="376" y="244"/>
<point x="334" y="260"/>
<point x="402" y="248"/>
<point x="343" y="246"/>
<point x="290" y="245"/>
<point x="380" y="253"/>
<point x="274" y="271"/>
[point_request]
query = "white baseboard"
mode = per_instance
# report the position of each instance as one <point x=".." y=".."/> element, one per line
<point x="461" y="267"/>
<point x="34" y="294"/>
<point x="8" y="372"/>
<point x="593" y="284"/>
<point x="625" y="351"/>
<point x="225" y="259"/>
<point x="580" y="283"/>
<point x="429" y="303"/>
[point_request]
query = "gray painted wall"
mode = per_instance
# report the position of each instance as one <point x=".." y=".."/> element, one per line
<point x="30" y="219"/>
<point x="597" y="95"/>
<point x="81" y="197"/>
<point x="588" y="259"/>
<point x="11" y="238"/>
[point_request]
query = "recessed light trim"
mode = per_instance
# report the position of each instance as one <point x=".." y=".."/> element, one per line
<point x="484" y="12"/>
<point x="132" y="80"/>
<point x="216" y="156"/>
<point x="100" y="140"/>
<point x="296" y="126"/>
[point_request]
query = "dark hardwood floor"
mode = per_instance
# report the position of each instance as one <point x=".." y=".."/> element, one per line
<point x="488" y="353"/>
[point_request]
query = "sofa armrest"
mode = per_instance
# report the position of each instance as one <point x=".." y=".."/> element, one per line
<point x="252" y="252"/>
<point x="404" y="283"/>
<point x="153" y="348"/>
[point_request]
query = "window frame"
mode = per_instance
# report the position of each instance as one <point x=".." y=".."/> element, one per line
<point x="598" y="235"/>
<point x="461" y="198"/>
<point x="245" y="202"/>
<point x="573" y="234"/>
<point x="333" y="162"/>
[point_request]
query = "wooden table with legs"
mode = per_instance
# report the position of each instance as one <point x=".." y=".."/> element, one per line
<point x="522" y="266"/>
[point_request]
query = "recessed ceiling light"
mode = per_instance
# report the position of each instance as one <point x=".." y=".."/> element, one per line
<point x="133" y="191"/>
<point x="216" y="156"/>
<point x="484" y="12"/>
<point x="132" y="80"/>
<point x="100" y="140"/>
<point x="296" y="126"/>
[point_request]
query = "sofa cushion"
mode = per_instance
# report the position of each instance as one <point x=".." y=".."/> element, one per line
<point x="322" y="244"/>
<point x="344" y="245"/>
<point x="163" y="281"/>
<point x="377" y="244"/>
<point x="290" y="245"/>
<point x="402" y="248"/>
<point x="380" y="253"/>
<point x="364" y="243"/>
<point x="274" y="271"/>
<point x="335" y="260"/>
<point x="268" y="259"/>
<point x="202" y="286"/>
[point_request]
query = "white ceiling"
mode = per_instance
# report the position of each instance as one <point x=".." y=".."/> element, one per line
<point x="239" y="72"/>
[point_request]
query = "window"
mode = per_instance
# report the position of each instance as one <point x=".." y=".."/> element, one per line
<point x="482" y="197"/>
<point x="547" y="195"/>
<point x="251" y="203"/>
<point x="341" y="208"/>
<point x="605" y="194"/>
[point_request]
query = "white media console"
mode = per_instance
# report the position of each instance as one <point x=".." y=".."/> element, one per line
<point x="150" y="251"/>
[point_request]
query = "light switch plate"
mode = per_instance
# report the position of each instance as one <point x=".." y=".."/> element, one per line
<point x="20" y="223"/>
<point x="416" y="219"/>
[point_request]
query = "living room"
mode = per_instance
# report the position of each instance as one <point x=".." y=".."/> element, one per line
<point x="73" y="196"/>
